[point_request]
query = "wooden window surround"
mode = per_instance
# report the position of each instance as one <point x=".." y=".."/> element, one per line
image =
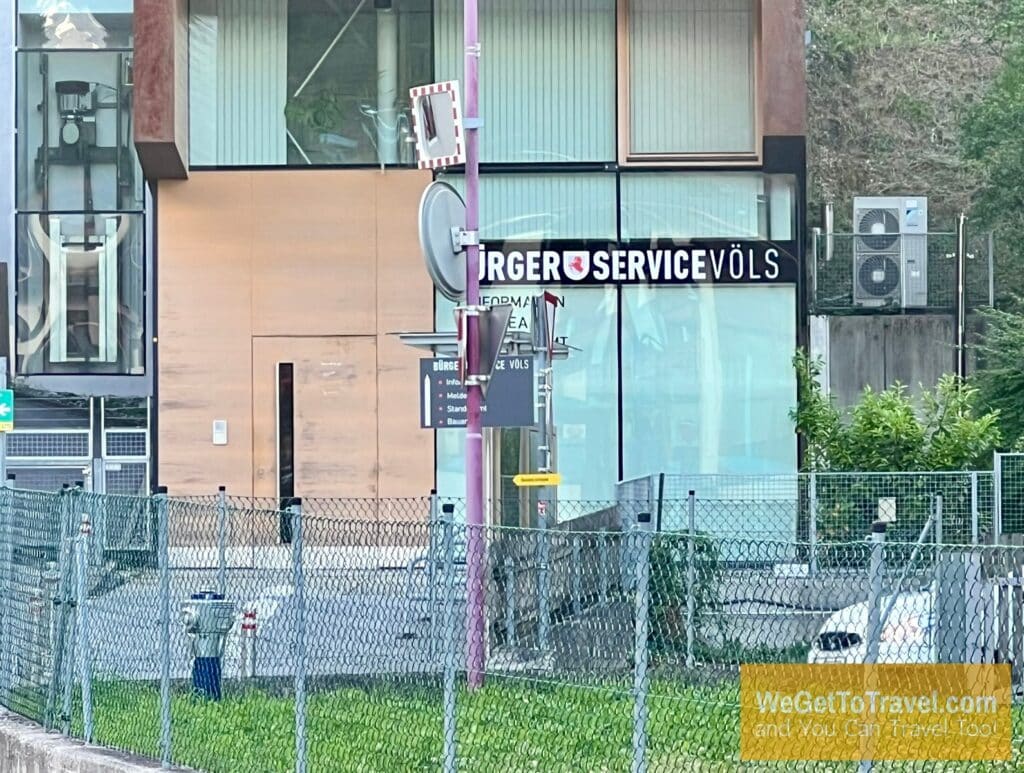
<point x="685" y="159"/>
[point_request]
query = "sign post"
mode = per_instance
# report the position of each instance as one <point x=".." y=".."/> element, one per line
<point x="476" y="626"/>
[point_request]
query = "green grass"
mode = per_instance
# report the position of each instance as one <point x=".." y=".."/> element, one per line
<point x="509" y="725"/>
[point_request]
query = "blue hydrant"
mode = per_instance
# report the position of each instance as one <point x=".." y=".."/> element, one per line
<point x="207" y="617"/>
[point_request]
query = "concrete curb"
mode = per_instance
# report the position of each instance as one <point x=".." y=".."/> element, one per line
<point x="26" y="748"/>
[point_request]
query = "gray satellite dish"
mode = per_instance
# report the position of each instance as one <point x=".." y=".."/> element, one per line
<point x="442" y="222"/>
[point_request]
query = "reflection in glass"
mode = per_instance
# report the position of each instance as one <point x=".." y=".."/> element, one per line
<point x="75" y="149"/>
<point x="692" y="60"/>
<point x="535" y="207"/>
<point x="75" y="24"/>
<point x="708" y="383"/>
<point x="80" y="294"/>
<point x="708" y="205"/>
<point x="549" y="64"/>
<point x="305" y="82"/>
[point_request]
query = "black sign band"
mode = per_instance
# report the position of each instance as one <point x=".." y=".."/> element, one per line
<point x="597" y="263"/>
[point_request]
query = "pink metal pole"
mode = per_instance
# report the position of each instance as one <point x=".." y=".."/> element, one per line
<point x="474" y="437"/>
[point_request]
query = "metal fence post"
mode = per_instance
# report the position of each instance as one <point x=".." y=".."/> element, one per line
<point x="602" y="557"/>
<point x="543" y="589"/>
<point x="299" y="583"/>
<point x="997" y="497"/>
<point x="84" y="652"/>
<point x="451" y="639"/>
<point x="874" y="627"/>
<point x="975" y="526"/>
<point x="432" y="575"/>
<point x="69" y="573"/>
<point x="164" y="570"/>
<point x="510" y="601"/>
<point x="691" y="577"/>
<point x="6" y="656"/>
<point x="96" y="506"/>
<point x="877" y="571"/>
<point x="577" y="576"/>
<point x="641" y="629"/>
<point x="812" y="525"/>
<point x="222" y="540"/>
<point x="938" y="519"/>
<point x="60" y="603"/>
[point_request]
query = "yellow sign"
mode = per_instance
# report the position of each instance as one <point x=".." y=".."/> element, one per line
<point x="880" y="712"/>
<point x="537" y="479"/>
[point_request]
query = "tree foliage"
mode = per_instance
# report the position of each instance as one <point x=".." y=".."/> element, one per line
<point x="890" y="84"/>
<point x="885" y="432"/>
<point x="994" y="143"/>
<point x="999" y="377"/>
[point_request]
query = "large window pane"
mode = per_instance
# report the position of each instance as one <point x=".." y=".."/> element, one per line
<point x="705" y="205"/>
<point x="82" y="24"/>
<point x="691" y="77"/>
<point x="531" y="207"/>
<point x="303" y="81"/>
<point x="548" y="86"/>
<point x="585" y="393"/>
<point x="709" y="383"/>
<point x="80" y="294"/>
<point x="75" y="148"/>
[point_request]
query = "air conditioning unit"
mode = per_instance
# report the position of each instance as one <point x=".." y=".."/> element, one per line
<point x="890" y="251"/>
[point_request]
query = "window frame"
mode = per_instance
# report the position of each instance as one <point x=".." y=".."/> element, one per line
<point x="628" y="158"/>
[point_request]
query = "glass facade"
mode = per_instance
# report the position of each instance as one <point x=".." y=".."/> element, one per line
<point x="75" y="148"/>
<point x="709" y="382"/>
<point x="708" y="205"/>
<point x="80" y="233"/>
<point x="74" y="24"/>
<point x="533" y="207"/>
<point x="706" y="378"/>
<point x="692" y="89"/>
<point x="298" y="82"/>
<point x="549" y="64"/>
<point x="586" y="393"/>
<point x="80" y="294"/>
<point x="636" y="206"/>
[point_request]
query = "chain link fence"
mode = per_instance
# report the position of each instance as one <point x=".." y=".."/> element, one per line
<point x="815" y="508"/>
<point x="611" y="640"/>
<point x="847" y="277"/>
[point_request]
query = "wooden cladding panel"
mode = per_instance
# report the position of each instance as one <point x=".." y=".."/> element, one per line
<point x="406" y="451"/>
<point x="204" y="361"/>
<point x="211" y="211"/>
<point x="335" y="415"/>
<point x="303" y="266"/>
<point x="404" y="290"/>
<point x="315" y="252"/>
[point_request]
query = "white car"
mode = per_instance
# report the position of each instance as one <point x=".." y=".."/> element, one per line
<point x="906" y="635"/>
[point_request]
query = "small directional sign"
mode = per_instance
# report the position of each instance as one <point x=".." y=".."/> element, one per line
<point x="537" y="479"/>
<point x="6" y="410"/>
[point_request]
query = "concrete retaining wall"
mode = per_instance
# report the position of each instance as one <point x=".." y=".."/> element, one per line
<point x="26" y="748"/>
